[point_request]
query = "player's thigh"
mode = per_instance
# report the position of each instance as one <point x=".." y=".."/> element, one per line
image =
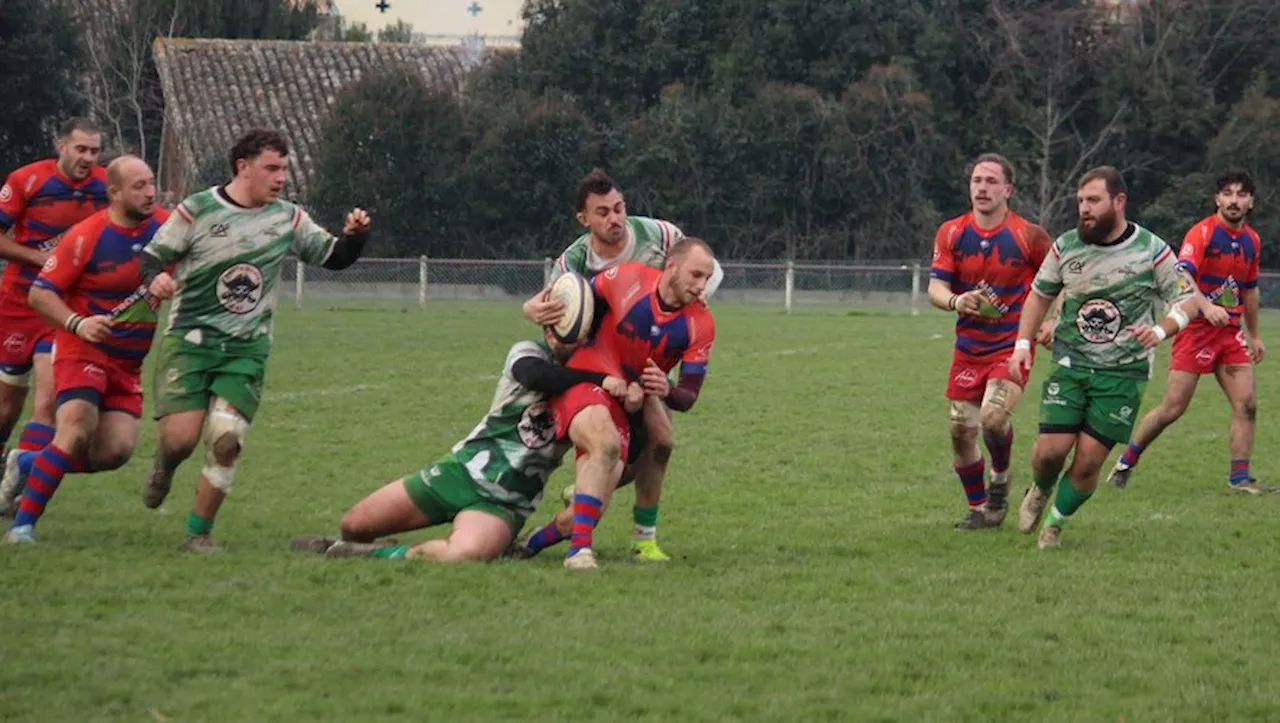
<point x="183" y="375"/>
<point x="1179" y="389"/>
<point x="17" y="349"/>
<point x="484" y="531"/>
<point x="659" y="427"/>
<point x="1063" y="403"/>
<point x="1113" y="404"/>
<point x="388" y="510"/>
<point x="1091" y="454"/>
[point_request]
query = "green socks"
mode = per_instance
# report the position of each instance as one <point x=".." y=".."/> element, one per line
<point x="1069" y="500"/>
<point x="646" y="523"/>
<point x="391" y="552"/>
<point x="197" y="525"/>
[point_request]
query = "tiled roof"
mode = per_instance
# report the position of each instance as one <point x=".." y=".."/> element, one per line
<point x="214" y="90"/>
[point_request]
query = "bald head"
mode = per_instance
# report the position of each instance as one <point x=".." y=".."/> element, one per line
<point x="690" y="264"/>
<point x="131" y="186"/>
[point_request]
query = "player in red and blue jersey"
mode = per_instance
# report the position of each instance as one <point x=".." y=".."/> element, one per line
<point x="1221" y="253"/>
<point x="90" y="290"/>
<point x="983" y="265"/>
<point x="646" y="321"/>
<point x="38" y="203"/>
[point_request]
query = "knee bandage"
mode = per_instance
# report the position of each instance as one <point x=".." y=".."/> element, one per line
<point x="224" y="427"/>
<point x="965" y="415"/>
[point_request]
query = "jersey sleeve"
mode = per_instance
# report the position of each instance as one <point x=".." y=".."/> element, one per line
<point x="13" y="198"/>
<point x="944" y="262"/>
<point x="695" y="359"/>
<point x="521" y="350"/>
<point x="1172" y="283"/>
<point x="67" y="261"/>
<point x="1048" y="281"/>
<point x="173" y="239"/>
<point x="311" y="243"/>
<point x="671" y="235"/>
<point x="1250" y="277"/>
<point x="1191" y="254"/>
<point x="573" y="259"/>
<point x="1038" y="243"/>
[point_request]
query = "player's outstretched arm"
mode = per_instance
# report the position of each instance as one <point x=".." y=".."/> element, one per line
<point x="547" y="377"/>
<point x="348" y="247"/>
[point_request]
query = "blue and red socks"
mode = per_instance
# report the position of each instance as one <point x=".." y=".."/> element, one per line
<point x="975" y="487"/>
<point x="1000" y="446"/>
<point x="1239" y="471"/>
<point x="586" y="515"/>
<point x="47" y="471"/>
<point x="544" y="537"/>
<point x="1132" y="453"/>
<point x="35" y="437"/>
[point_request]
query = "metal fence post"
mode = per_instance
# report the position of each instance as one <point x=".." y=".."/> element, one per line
<point x="299" y="278"/>
<point x="789" y="285"/>
<point x="422" y="282"/>
<point x="915" y="289"/>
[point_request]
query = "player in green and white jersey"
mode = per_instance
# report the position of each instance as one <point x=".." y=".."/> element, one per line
<point x="227" y="245"/>
<point x="1112" y="274"/>
<point x="491" y="481"/>
<point x="612" y="238"/>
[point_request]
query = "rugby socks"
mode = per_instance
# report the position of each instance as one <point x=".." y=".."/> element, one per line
<point x="50" y="466"/>
<point x="1001" y="447"/>
<point x="645" y="521"/>
<point x="1069" y="500"/>
<point x="975" y="488"/>
<point x="586" y="515"/>
<point x="390" y="552"/>
<point x="35" y="437"/>
<point x="1239" y="471"/>
<point x="544" y="537"/>
<point x="198" y="526"/>
<point x="1132" y="453"/>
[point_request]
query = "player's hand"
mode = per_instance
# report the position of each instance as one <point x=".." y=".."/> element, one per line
<point x="1020" y="365"/>
<point x="616" y="387"/>
<point x="163" y="286"/>
<point x="634" y="399"/>
<point x="968" y="303"/>
<point x="1257" y="350"/>
<point x="95" y="329"/>
<point x="655" y="380"/>
<point x="542" y="311"/>
<point x="1215" y="315"/>
<point x="1044" y="337"/>
<point x="357" y="223"/>
<point x="1146" y="335"/>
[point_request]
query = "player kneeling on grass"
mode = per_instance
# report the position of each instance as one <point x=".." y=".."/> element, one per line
<point x="90" y="289"/>
<point x="492" y="480"/>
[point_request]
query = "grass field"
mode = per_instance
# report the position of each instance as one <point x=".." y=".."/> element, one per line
<point x="809" y="504"/>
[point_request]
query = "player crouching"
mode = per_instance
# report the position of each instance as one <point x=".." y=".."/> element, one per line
<point x="491" y="481"/>
<point x="90" y="290"/>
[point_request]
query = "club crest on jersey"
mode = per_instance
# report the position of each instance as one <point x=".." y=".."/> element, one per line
<point x="1098" y="321"/>
<point x="240" y="288"/>
<point x="537" y="426"/>
<point x="6" y="193"/>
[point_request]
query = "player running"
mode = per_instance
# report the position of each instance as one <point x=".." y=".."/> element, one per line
<point x="1221" y="254"/>
<point x="228" y="243"/>
<point x="647" y="321"/>
<point x="1112" y="273"/>
<point x="90" y="290"/>
<point x="491" y="481"/>
<point x="983" y="264"/>
<point x="613" y="238"/>
<point x="39" y="202"/>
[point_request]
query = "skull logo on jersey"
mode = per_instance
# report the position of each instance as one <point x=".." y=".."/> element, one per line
<point x="1098" y="321"/>
<point x="537" y="426"/>
<point x="240" y="288"/>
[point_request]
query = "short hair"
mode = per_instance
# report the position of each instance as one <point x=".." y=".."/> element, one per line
<point x="1109" y="175"/>
<point x="71" y="125"/>
<point x="595" y="183"/>
<point x="681" y="248"/>
<point x="252" y="144"/>
<point x="1239" y="176"/>
<point x="997" y="159"/>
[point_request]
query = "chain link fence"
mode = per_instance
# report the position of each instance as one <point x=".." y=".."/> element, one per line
<point x="416" y="282"/>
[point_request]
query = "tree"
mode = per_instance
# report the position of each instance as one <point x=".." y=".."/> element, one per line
<point x="40" y="49"/>
<point x="400" y="32"/>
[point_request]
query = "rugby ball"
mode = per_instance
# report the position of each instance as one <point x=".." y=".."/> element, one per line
<point x="574" y="293"/>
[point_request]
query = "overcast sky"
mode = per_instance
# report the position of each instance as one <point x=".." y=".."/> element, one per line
<point x="439" y="17"/>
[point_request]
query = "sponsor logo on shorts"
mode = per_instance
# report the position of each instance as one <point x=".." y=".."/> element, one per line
<point x="1124" y="415"/>
<point x="15" y="342"/>
<point x="966" y="378"/>
<point x="93" y="371"/>
<point x="537" y="427"/>
<point x="239" y="288"/>
<point x="1051" y="395"/>
<point x="1204" y="356"/>
<point x="1098" y="321"/>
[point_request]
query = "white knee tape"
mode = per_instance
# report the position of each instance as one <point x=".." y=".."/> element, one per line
<point x="22" y="380"/>
<point x="223" y="420"/>
<point x="965" y="414"/>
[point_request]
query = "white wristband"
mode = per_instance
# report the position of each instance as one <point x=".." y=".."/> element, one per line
<point x="1179" y="317"/>
<point x="1159" y="330"/>
<point x="1022" y="345"/>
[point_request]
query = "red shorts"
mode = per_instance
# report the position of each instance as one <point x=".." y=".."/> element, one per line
<point x="21" y="338"/>
<point x="1202" y="349"/>
<point x="566" y="406"/>
<point x="112" y="387"/>
<point x="969" y="375"/>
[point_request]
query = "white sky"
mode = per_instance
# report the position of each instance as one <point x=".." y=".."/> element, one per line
<point x="439" y="17"/>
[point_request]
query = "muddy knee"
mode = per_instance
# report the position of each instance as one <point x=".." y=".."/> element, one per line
<point x="224" y="438"/>
<point x="964" y="421"/>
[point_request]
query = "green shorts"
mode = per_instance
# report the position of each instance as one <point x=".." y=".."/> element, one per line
<point x="446" y="488"/>
<point x="188" y="375"/>
<point x="1104" y="406"/>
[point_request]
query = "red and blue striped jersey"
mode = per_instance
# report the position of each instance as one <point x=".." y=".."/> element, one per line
<point x="1003" y="261"/>
<point x="38" y="204"/>
<point x="1223" y="263"/>
<point x="94" y="269"/>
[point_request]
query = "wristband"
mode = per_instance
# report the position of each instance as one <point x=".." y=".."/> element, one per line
<point x="1022" y="345"/>
<point x="72" y="323"/>
<point x="951" y="303"/>
<point x="1160" y="332"/>
<point x="1179" y="317"/>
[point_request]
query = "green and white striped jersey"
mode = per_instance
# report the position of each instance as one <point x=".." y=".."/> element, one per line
<point x="648" y="240"/>
<point x="1108" y="290"/>
<point x="228" y="263"/>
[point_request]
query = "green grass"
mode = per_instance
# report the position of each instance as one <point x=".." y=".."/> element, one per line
<point x="809" y="505"/>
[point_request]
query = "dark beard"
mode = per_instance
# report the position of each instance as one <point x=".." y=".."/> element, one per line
<point x="136" y="216"/>
<point x="1103" y="226"/>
